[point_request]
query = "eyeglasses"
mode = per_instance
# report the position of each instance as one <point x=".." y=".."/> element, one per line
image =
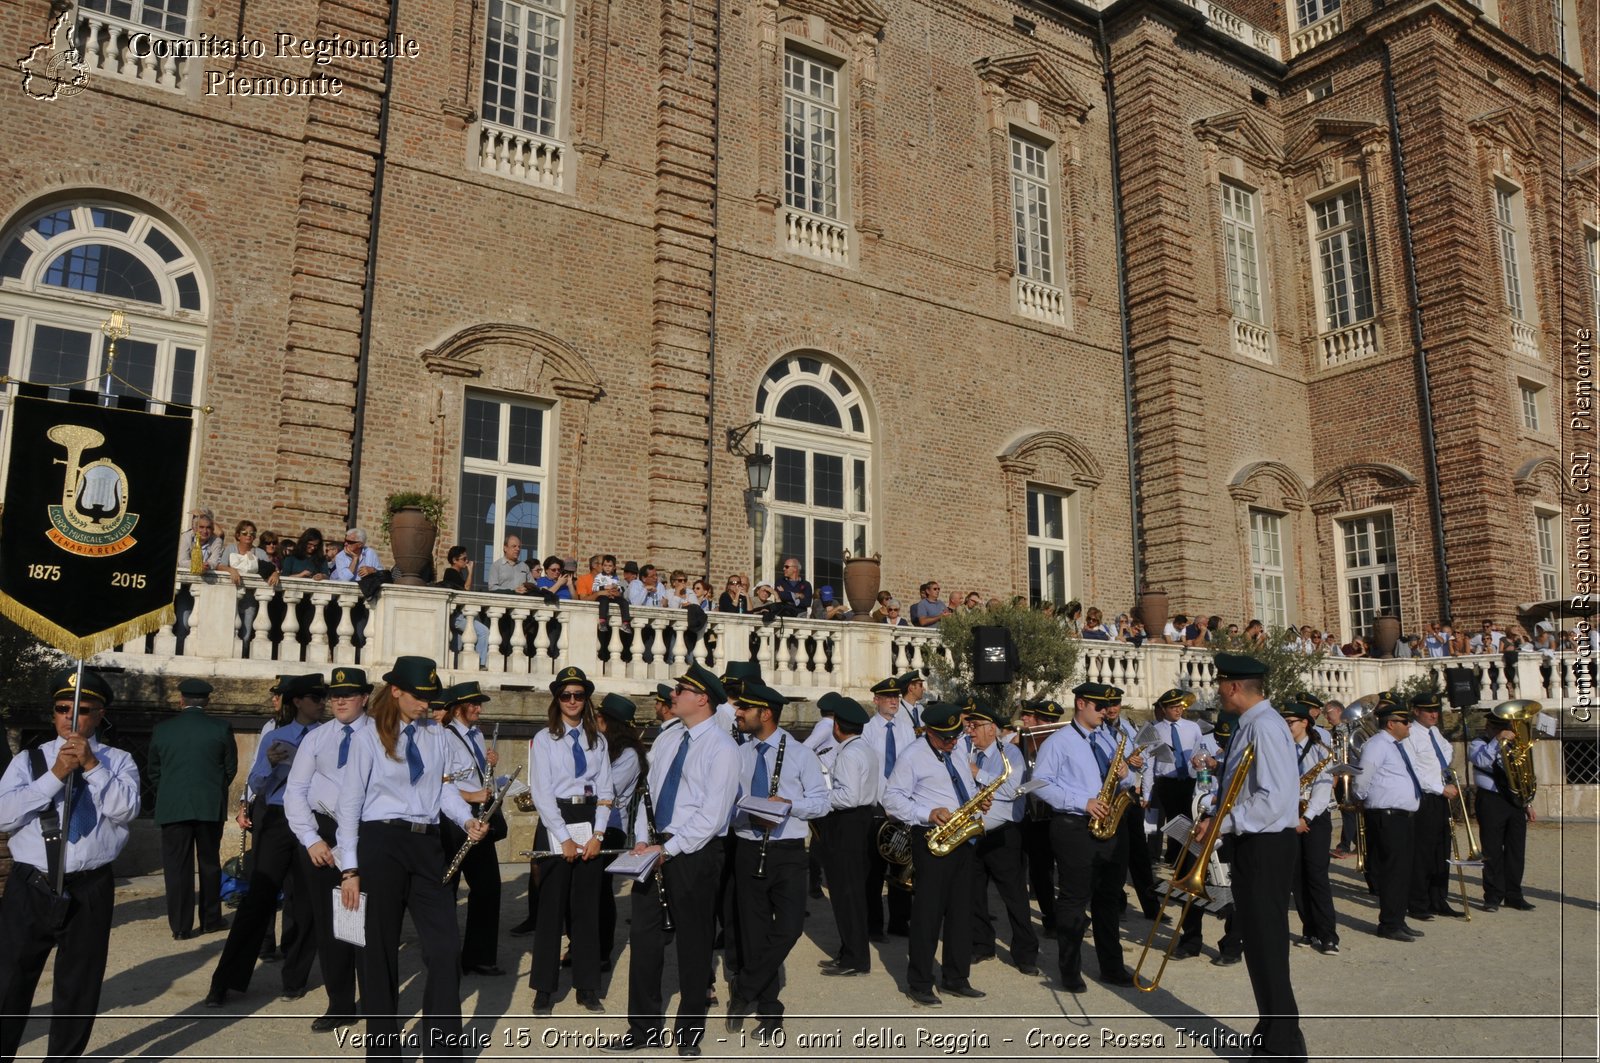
<point x="556" y="569"/>
<point x="571" y="695"/>
<point x="63" y="710"/>
<point x="684" y="688"/>
<point x="352" y="542"/>
<point x="247" y="535"/>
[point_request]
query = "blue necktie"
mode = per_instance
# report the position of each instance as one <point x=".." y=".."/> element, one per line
<point x="344" y="745"/>
<point x="413" y="754"/>
<point x="888" y="757"/>
<point x="1416" y="784"/>
<point x="1177" y="751"/>
<point x="955" y="777"/>
<point x="669" y="786"/>
<point x="1100" y="757"/>
<point x="1444" y="761"/>
<point x="483" y="763"/>
<point x="759" y="783"/>
<point x="980" y="760"/>
<point x="580" y="763"/>
<point x="83" y="817"/>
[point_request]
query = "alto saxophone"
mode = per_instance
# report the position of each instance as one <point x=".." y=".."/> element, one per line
<point x="1307" y="779"/>
<point x="967" y="822"/>
<point x="1103" y="827"/>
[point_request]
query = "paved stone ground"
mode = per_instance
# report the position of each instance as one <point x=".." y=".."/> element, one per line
<point x="1506" y="986"/>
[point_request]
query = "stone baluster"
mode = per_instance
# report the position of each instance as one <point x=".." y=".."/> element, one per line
<point x="289" y="647"/>
<point x="518" y="662"/>
<point x="497" y="660"/>
<point x="547" y="643"/>
<point x="680" y="639"/>
<point x="259" y="648"/>
<point x="344" y="650"/>
<point x="467" y="659"/>
<point x="317" y="648"/>
<point x="166" y="640"/>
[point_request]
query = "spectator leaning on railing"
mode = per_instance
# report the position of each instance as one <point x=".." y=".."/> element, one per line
<point x="307" y="561"/>
<point x="509" y="573"/>
<point x="930" y="609"/>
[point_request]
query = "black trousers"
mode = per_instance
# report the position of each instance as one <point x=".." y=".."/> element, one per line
<point x="1091" y="878"/>
<point x="899" y="899"/>
<point x="481" y="939"/>
<point x="1313" y="893"/>
<point x="341" y="971"/>
<point x="1347" y="829"/>
<point x="1262" y="867"/>
<point x="1041" y="860"/>
<point x="614" y="839"/>
<point x="274" y="865"/>
<point x="1389" y="841"/>
<point x="999" y="860"/>
<point x="847" y="840"/>
<point x="691" y="881"/>
<point x="1174" y="797"/>
<point x="32" y="922"/>
<point x="1430" y="855"/>
<point x="772" y="915"/>
<point x="567" y="891"/>
<point x="942" y="900"/>
<point x="403" y="871"/>
<point x="1136" y="852"/>
<point x="1503" y="833"/>
<point x="183" y="845"/>
<point x="291" y="933"/>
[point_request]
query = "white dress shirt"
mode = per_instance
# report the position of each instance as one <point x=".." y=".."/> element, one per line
<point x="921" y="783"/>
<point x="1270" y="798"/>
<point x="315" y="779"/>
<point x="554" y="769"/>
<point x="1384" y="781"/>
<point x="1425" y="745"/>
<point x="1309" y="754"/>
<point x="624" y="780"/>
<point x="877" y="732"/>
<point x="113" y="789"/>
<point x="1006" y="805"/>
<point x="1483" y="754"/>
<point x="379" y="787"/>
<point x="707" y="788"/>
<point x="801" y="782"/>
<point x="821" y="736"/>
<point x="855" y="776"/>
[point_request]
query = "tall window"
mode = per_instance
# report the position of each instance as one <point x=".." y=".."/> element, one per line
<point x="1239" y="251"/>
<point x="169" y="15"/>
<point x="1569" y="38"/>
<point x="522" y="60"/>
<point x="1591" y="249"/>
<point x="504" y="467"/>
<point x="1529" y="393"/>
<point x="65" y="269"/>
<point x="1030" y="209"/>
<point x="1047" y="546"/>
<point x="1266" y="569"/>
<point x="1371" y="571"/>
<point x="1342" y="258"/>
<point x="815" y="426"/>
<point x="1309" y="11"/>
<point x="811" y="131"/>
<point x="1545" y="533"/>
<point x="1506" y="216"/>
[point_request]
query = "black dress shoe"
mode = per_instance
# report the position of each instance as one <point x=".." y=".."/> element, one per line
<point x="591" y="1002"/>
<point x="1226" y="960"/>
<point x="1028" y="968"/>
<point x="964" y="991"/>
<point x="880" y="938"/>
<point x="1453" y="913"/>
<point x="542" y="1004"/>
<point x="689" y="1051"/>
<point x="1075" y="985"/>
<point x="215" y="998"/>
<point x="825" y="964"/>
<point x="293" y="994"/>
<point x="182" y="935"/>
<point x="926" y="997"/>
<point x="982" y="957"/>
<point x="1397" y="935"/>
<point x="1520" y="905"/>
<point x="626" y="1043"/>
<point x="842" y="972"/>
<point x="1421" y="917"/>
<point x="1118" y="978"/>
<point x="1491" y="906"/>
<point x="215" y="928"/>
<point x="331" y="1022"/>
<point x="1413" y="931"/>
<point x="271" y="956"/>
<point x="737" y="1010"/>
<point x="1186" y="952"/>
<point x="523" y="929"/>
<point x="488" y="970"/>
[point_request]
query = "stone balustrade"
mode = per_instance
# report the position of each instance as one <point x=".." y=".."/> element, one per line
<point x="525" y="157"/>
<point x="1320" y="31"/>
<point x="816" y="236"/>
<point x="124" y="51"/>
<point x="1041" y="302"/>
<point x="1350" y="344"/>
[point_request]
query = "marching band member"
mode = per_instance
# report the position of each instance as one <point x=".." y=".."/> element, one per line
<point x="471" y="769"/>
<point x="1036" y="816"/>
<point x="1262" y="831"/>
<point x="1074" y="769"/>
<point x="694" y="777"/>
<point x="77" y="922"/>
<point x="1131" y="849"/>
<point x="770" y="860"/>
<point x="1389" y="791"/>
<point x="925" y="789"/>
<point x="1313" y="894"/>
<point x="854" y="781"/>
<point x="998" y="856"/>
<point x="615" y="721"/>
<point x="394" y="793"/>
<point x="891" y="736"/>
<point x="310" y="803"/>
<point x="912" y="687"/>
<point x="821" y="742"/>
<point x="1173" y="791"/>
<point x="570" y="767"/>
<point x="1430" y="867"/>
<point x="1502" y="819"/>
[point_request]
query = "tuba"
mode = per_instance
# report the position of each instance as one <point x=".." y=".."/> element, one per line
<point x="894" y="848"/>
<point x="1517" y="755"/>
<point x="967" y="822"/>
<point x="1106" y="826"/>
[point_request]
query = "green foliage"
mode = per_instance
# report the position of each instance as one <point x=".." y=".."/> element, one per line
<point x="1289" y="669"/>
<point x="432" y="507"/>
<point x="29" y="663"/>
<point x="1421" y="683"/>
<point x="1046" y="657"/>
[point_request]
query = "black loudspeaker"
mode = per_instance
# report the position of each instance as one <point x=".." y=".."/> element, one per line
<point x="1461" y="687"/>
<point x="994" y="655"/>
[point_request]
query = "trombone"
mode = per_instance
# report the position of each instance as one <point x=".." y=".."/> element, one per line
<point x="1191" y="883"/>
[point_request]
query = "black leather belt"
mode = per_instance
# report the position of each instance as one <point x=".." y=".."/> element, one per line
<point x="29" y="873"/>
<point x="1072" y="815"/>
<point x="1391" y="811"/>
<point x="576" y="802"/>
<point x="407" y="825"/>
<point x="778" y="843"/>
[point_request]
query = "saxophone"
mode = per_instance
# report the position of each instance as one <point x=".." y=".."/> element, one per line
<point x="967" y="823"/>
<point x="1308" y="778"/>
<point x="1104" y="827"/>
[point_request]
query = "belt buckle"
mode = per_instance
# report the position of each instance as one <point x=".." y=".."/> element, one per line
<point x="418" y="828"/>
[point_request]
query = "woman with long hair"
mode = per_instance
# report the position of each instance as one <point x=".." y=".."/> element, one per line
<point x="389" y="846"/>
<point x="307" y="559"/>
<point x="569" y="765"/>
<point x="627" y="763"/>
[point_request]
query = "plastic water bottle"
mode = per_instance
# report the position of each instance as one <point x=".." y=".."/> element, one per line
<point x="1204" y="785"/>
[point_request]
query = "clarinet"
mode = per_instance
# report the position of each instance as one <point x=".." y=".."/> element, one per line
<point x="643" y="793"/>
<point x="772" y="791"/>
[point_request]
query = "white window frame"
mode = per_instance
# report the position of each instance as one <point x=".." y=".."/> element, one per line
<point x="1531" y="400"/>
<point x="1033" y="208"/>
<point x="1241" y="253"/>
<point x="512" y="143"/>
<point x="1269" y="583"/>
<point x="821" y="197"/>
<point x="1361" y="605"/>
<point x="125" y="46"/>
<point x="1310" y="12"/>
<point x="503" y="470"/>
<point x="1568" y="34"/>
<point x="1508" y="225"/>
<point x="1591" y="251"/>
<point x="1547" y="543"/>
<point x="1043" y="547"/>
<point x="1343" y="254"/>
<point x="29" y="303"/>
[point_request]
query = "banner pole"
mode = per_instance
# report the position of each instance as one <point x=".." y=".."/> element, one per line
<point x="66" y="794"/>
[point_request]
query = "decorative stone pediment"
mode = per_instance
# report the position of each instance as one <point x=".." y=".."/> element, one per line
<point x="1243" y="134"/>
<point x="515" y="358"/>
<point x="1029" y="76"/>
<point x="1504" y="130"/>
<point x="1359" y="485"/>
<point x="1536" y="476"/>
<point x="850" y="16"/>
<point x="1055" y="454"/>
<point x="1326" y="131"/>
<point x="1269" y="482"/>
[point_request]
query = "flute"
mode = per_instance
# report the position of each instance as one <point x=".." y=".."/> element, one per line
<point x="539" y="854"/>
<point x="488" y="814"/>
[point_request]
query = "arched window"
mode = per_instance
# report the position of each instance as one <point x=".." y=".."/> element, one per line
<point x="814" y="423"/>
<point x="63" y="270"/>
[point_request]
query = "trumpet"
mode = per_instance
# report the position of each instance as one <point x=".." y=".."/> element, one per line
<point x="1192" y="883"/>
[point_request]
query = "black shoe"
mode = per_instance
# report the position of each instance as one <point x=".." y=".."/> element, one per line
<point x="1413" y="931"/>
<point x="214" y="928"/>
<point x="880" y="938"/>
<point x="182" y="935"/>
<point x="1421" y="917"/>
<point x="522" y="930"/>
<point x="737" y="1010"/>
<point x="542" y="1004"/>
<point x="926" y="997"/>
<point x="825" y="964"/>
<point x="983" y="957"/>
<point x="1520" y="905"/>
<point x="1328" y="948"/>
<point x="566" y="958"/>
<point x="488" y="970"/>
<point x="331" y="1022"/>
<point x="293" y="994"/>
<point x="1397" y="935"/>
<point x="1186" y="952"/>
<point x="1453" y="913"/>
<point x="216" y="997"/>
<point x="1225" y="959"/>
<point x="271" y="956"/>
<point x="1117" y="978"/>
<point x="1490" y="906"/>
<point x="688" y="1051"/>
<point x="842" y="972"/>
<point x="964" y="991"/>
<point x="626" y="1043"/>
<point x="767" y="1030"/>
<point x="591" y="1002"/>
<point x="1028" y="968"/>
<point x="1074" y="985"/>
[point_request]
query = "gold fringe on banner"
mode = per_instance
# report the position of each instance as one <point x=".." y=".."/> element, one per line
<point x="88" y="645"/>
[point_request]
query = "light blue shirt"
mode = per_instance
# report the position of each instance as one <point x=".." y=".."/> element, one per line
<point x="113" y="787"/>
<point x="876" y="732"/>
<point x="461" y="763"/>
<point x="1070" y="771"/>
<point x="801" y="782"/>
<point x="1484" y="753"/>
<point x="856" y="775"/>
<point x="267" y="778"/>
<point x="1270" y="799"/>
<point x="316" y="780"/>
<point x="379" y="787"/>
<point x="921" y="783"/>
<point x="1384" y="781"/>
<point x="553" y="767"/>
<point x="1006" y="805"/>
<point x="1307" y="756"/>
<point x="343" y="571"/>
<point x="624" y="780"/>
<point x="706" y="791"/>
<point x="1189" y="734"/>
<point x="1424" y="745"/>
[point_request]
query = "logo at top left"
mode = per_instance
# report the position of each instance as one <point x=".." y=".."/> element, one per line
<point x="54" y="69"/>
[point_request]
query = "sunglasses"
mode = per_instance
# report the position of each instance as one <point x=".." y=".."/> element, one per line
<point x="571" y="695"/>
<point x="352" y="542"/>
<point x="65" y="710"/>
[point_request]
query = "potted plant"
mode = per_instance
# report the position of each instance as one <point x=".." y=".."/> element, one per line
<point x="411" y="523"/>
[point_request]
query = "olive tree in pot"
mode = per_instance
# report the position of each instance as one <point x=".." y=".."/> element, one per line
<point x="411" y="523"/>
